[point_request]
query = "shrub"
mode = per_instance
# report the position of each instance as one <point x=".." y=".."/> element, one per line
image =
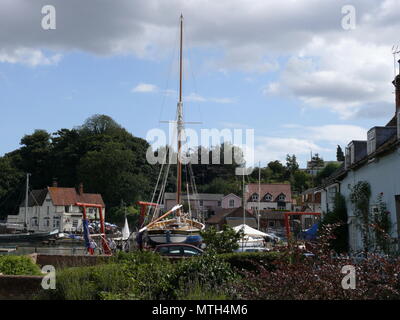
<point x="251" y="261"/>
<point x="224" y="241"/>
<point x="88" y="283"/>
<point x="18" y="265"/>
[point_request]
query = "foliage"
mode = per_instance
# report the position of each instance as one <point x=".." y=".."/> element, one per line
<point x="320" y="278"/>
<point x="340" y="241"/>
<point x="382" y="225"/>
<point x="223" y="241"/>
<point x="360" y="198"/>
<point x="326" y="172"/>
<point x="207" y="269"/>
<point x="18" y="265"/>
<point x="88" y="283"/>
<point x="339" y="154"/>
<point x="250" y="261"/>
<point x="100" y="154"/>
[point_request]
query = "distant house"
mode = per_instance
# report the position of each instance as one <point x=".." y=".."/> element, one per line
<point x="207" y="203"/>
<point x="311" y="200"/>
<point x="376" y="161"/>
<point x="272" y="221"/>
<point x="232" y="217"/>
<point x="231" y="201"/>
<point x="313" y="168"/>
<point x="54" y="208"/>
<point x="268" y="196"/>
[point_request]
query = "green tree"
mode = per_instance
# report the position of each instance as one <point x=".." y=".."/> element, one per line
<point x="339" y="154"/>
<point x="326" y="172"/>
<point x="338" y="216"/>
<point x="291" y="164"/>
<point x="222" y="242"/>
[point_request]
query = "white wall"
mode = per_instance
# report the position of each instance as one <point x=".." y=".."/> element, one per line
<point x="383" y="175"/>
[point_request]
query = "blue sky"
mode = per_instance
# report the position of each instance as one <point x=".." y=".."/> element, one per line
<point x="324" y="88"/>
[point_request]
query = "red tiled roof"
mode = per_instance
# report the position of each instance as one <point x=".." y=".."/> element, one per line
<point x="275" y="189"/>
<point x="69" y="196"/>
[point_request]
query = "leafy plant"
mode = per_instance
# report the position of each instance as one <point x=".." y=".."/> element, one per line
<point x="18" y="265"/>
<point x="338" y="216"/>
<point x="360" y="198"/>
<point x="223" y="241"/>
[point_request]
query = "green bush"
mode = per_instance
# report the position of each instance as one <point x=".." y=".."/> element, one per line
<point x="18" y="265"/>
<point x="88" y="283"/>
<point x="223" y="241"/>
<point x="249" y="261"/>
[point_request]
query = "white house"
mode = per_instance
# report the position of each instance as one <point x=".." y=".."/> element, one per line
<point x="376" y="161"/>
<point x="54" y="208"/>
<point x="269" y="196"/>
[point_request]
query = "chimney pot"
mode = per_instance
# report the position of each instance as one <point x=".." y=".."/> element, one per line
<point x="55" y="184"/>
<point x="81" y="188"/>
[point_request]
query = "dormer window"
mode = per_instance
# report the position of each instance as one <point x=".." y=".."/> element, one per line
<point x="371" y="144"/>
<point x="281" y="197"/>
<point x="268" y="197"/>
<point x="254" y="197"/>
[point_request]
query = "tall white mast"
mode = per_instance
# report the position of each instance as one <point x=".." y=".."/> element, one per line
<point x="180" y="122"/>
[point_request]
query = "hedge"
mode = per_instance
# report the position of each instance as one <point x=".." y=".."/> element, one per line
<point x="18" y="265"/>
<point x="249" y="261"/>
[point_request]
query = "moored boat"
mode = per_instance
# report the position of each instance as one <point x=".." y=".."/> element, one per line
<point x="183" y="227"/>
<point x="28" y="237"/>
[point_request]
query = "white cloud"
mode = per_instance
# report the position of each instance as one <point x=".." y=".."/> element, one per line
<point x="28" y="56"/>
<point x="333" y="133"/>
<point x="344" y="71"/>
<point x="145" y="88"/>
<point x="273" y="148"/>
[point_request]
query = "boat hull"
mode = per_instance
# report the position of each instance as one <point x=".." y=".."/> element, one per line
<point x="157" y="237"/>
<point x="27" y="237"/>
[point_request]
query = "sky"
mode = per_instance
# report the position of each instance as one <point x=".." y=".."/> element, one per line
<point x="294" y="71"/>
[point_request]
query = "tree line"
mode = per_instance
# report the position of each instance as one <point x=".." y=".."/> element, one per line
<point x="109" y="160"/>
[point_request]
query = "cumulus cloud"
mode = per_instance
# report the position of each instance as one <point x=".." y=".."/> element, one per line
<point x="145" y="87"/>
<point x="28" y="56"/>
<point x="332" y="133"/>
<point x="320" y="63"/>
<point x="275" y="148"/>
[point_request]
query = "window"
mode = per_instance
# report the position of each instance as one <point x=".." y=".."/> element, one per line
<point x="34" y="222"/>
<point x="371" y="144"/>
<point x="201" y="203"/>
<point x="48" y="210"/>
<point x="332" y="194"/>
<point x="175" y="251"/>
<point x="268" y="197"/>
<point x="75" y="223"/>
<point x="56" y="222"/>
<point x="254" y="197"/>
<point x="190" y="252"/>
<point x="231" y="203"/>
<point x="46" y="222"/>
<point x="281" y="197"/>
<point x="219" y="203"/>
<point x="66" y="209"/>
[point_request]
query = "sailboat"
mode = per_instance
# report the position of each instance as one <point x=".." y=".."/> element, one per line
<point x="181" y="228"/>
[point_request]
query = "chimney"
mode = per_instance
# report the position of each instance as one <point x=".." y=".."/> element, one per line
<point x="81" y="188"/>
<point x="55" y="184"/>
<point x="396" y="83"/>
